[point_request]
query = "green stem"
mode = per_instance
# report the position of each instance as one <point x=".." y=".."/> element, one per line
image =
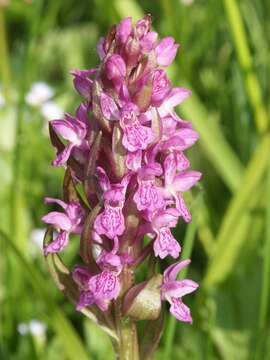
<point x="245" y="60"/>
<point x="127" y="348"/>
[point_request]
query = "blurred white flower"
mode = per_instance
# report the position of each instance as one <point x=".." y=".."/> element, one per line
<point x="187" y="2"/>
<point x="37" y="328"/>
<point x="23" y="328"/>
<point x="37" y="236"/>
<point x="50" y="110"/>
<point x="39" y="93"/>
<point x="34" y="327"/>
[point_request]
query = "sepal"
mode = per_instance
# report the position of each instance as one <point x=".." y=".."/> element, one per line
<point x="59" y="146"/>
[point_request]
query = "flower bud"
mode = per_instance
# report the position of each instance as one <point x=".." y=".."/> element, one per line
<point x="123" y="30"/>
<point x="115" y="67"/>
<point x="166" y="51"/>
<point x="143" y="26"/>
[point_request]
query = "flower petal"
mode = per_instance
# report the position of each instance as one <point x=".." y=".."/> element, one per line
<point x="100" y="48"/>
<point x="81" y="276"/>
<point x="183" y="209"/>
<point x="148" y="41"/>
<point x="148" y="196"/>
<point x="182" y="162"/>
<point x="63" y="156"/>
<point x="170" y="166"/>
<point x="65" y="129"/>
<point x="86" y="299"/>
<point x="174" y="98"/>
<point x="165" y="244"/>
<point x="180" y="310"/>
<point x="108" y="107"/>
<point x="165" y="218"/>
<point x="115" y="67"/>
<point x="178" y="289"/>
<point x="171" y="272"/>
<point x="49" y="200"/>
<point x="166" y="51"/>
<point x="110" y="222"/>
<point x="105" y="286"/>
<point x="58" y="244"/>
<point x="103" y="179"/>
<point x="160" y="87"/>
<point x="137" y="137"/>
<point x="134" y="160"/>
<point x="186" y="180"/>
<point x="123" y="30"/>
<point x="58" y="220"/>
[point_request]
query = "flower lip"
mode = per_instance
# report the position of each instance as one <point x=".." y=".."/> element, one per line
<point x="128" y="114"/>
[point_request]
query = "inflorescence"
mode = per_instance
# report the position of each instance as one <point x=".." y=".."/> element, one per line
<point x="125" y="147"/>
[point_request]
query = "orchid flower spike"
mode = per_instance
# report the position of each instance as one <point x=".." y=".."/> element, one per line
<point x="127" y="174"/>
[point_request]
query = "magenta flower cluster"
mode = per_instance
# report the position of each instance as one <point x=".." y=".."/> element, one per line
<point x="126" y="146"/>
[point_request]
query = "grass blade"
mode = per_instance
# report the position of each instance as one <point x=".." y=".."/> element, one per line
<point x="213" y="142"/>
<point x="231" y="234"/>
<point x="245" y="60"/>
<point x="266" y="263"/>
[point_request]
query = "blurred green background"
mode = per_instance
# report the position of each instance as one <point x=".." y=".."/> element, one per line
<point x="224" y="58"/>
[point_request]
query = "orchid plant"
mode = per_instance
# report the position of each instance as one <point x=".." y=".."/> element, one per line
<point x="126" y="175"/>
